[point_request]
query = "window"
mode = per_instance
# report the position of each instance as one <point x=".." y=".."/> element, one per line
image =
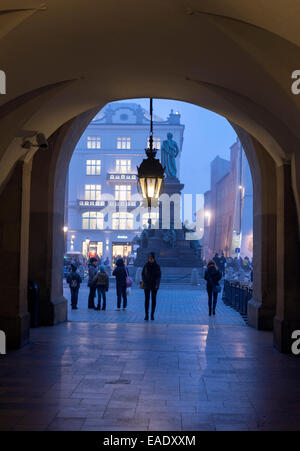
<point x="123" y="166"/>
<point x="93" y="167"/>
<point x="154" y="218"/>
<point x="156" y="142"/>
<point x="122" y="192"/>
<point x="92" y="220"/>
<point x="92" y="192"/>
<point x="123" y="142"/>
<point x="93" y="142"/>
<point x="122" y="221"/>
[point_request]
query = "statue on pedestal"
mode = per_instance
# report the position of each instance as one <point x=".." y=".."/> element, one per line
<point x="169" y="152"/>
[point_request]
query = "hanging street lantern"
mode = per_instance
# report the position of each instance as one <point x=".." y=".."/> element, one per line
<point x="150" y="172"/>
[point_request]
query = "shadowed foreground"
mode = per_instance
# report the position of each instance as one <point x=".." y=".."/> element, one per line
<point x="84" y="376"/>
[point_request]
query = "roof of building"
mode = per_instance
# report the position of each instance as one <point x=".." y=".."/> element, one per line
<point x="108" y="115"/>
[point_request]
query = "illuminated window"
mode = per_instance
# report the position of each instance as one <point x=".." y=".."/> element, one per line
<point x="94" y="142"/>
<point x="93" y="167"/>
<point x="123" y="166"/>
<point x="123" y="142"/>
<point x="154" y="218"/>
<point x="156" y="142"/>
<point x="92" y="220"/>
<point x="92" y="192"/>
<point x="122" y="192"/>
<point x="122" y="221"/>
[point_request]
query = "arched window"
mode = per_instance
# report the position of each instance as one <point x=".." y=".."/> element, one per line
<point x="154" y="218"/>
<point x="92" y="220"/>
<point x="122" y="221"/>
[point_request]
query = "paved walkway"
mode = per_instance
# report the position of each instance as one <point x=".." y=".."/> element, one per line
<point x="170" y="374"/>
<point x="83" y="376"/>
<point x="177" y="305"/>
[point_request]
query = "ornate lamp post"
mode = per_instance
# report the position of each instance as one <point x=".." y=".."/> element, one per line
<point x="150" y="172"/>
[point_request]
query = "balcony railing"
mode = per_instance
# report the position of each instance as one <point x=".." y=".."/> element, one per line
<point x="107" y="203"/>
<point x="119" y="177"/>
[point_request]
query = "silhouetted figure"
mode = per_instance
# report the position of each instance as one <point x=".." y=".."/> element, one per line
<point x="91" y="284"/>
<point x="151" y="276"/>
<point x="212" y="276"/>
<point x="120" y="275"/>
<point x="102" y="284"/>
<point x="74" y="280"/>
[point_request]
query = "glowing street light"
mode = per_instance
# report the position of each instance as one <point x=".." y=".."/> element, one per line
<point x="150" y="172"/>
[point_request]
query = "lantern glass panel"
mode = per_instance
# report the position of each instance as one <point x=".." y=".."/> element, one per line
<point x="151" y="182"/>
<point x="143" y="187"/>
<point x="158" y="186"/>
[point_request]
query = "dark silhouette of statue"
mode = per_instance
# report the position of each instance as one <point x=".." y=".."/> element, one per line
<point x="169" y="152"/>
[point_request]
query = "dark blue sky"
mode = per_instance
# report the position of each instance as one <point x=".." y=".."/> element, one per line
<point x="206" y="135"/>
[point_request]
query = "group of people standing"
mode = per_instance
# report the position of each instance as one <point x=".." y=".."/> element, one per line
<point x="98" y="283"/>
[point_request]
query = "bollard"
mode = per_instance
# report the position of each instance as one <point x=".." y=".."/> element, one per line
<point x="195" y="277"/>
<point x="138" y="276"/>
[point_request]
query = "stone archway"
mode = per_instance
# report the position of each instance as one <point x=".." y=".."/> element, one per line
<point x="234" y="59"/>
<point x="49" y="273"/>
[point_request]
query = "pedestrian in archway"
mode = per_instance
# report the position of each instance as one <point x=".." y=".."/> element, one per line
<point x="120" y="274"/>
<point x="216" y="259"/>
<point x="222" y="263"/>
<point x="212" y="276"/>
<point x="151" y="276"/>
<point x="102" y="284"/>
<point x="74" y="280"/>
<point x="91" y="283"/>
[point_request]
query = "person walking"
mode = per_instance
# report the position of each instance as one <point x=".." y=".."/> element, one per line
<point x="74" y="280"/>
<point x="91" y="284"/>
<point x="222" y="264"/>
<point x="212" y="276"/>
<point x="120" y="274"/>
<point x="151" y="276"/>
<point x="102" y="285"/>
<point x="216" y="259"/>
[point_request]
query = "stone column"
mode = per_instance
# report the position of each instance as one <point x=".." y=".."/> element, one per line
<point x="47" y="238"/>
<point x="47" y="211"/>
<point x="288" y="270"/>
<point x="14" y="230"/>
<point x="262" y="306"/>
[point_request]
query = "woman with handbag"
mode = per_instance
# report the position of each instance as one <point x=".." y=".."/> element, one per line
<point x="151" y="276"/>
<point x="212" y="276"/>
<point x="121" y="275"/>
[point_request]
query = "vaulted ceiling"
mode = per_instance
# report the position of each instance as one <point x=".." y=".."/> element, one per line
<point x="235" y="57"/>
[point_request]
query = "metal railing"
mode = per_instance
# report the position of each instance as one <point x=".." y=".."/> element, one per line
<point x="237" y="295"/>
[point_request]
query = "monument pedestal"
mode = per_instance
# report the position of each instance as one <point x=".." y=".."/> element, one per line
<point x="169" y="243"/>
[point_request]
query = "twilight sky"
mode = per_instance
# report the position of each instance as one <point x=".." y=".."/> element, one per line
<point x="206" y="135"/>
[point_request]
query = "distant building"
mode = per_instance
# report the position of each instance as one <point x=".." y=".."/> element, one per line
<point x="228" y="223"/>
<point x="104" y="162"/>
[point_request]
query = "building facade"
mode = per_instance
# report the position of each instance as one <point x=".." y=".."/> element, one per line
<point x="102" y="191"/>
<point x="228" y="205"/>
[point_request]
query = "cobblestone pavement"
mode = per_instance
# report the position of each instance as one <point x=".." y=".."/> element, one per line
<point x="149" y="377"/>
<point x="178" y="304"/>
<point x="111" y="371"/>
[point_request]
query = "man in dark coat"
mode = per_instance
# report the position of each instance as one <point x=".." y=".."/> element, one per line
<point x="91" y="283"/>
<point x="212" y="276"/>
<point x="151" y="276"/>
<point x="120" y="274"/>
<point x="216" y="259"/>
<point x="222" y="264"/>
<point x="74" y="280"/>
